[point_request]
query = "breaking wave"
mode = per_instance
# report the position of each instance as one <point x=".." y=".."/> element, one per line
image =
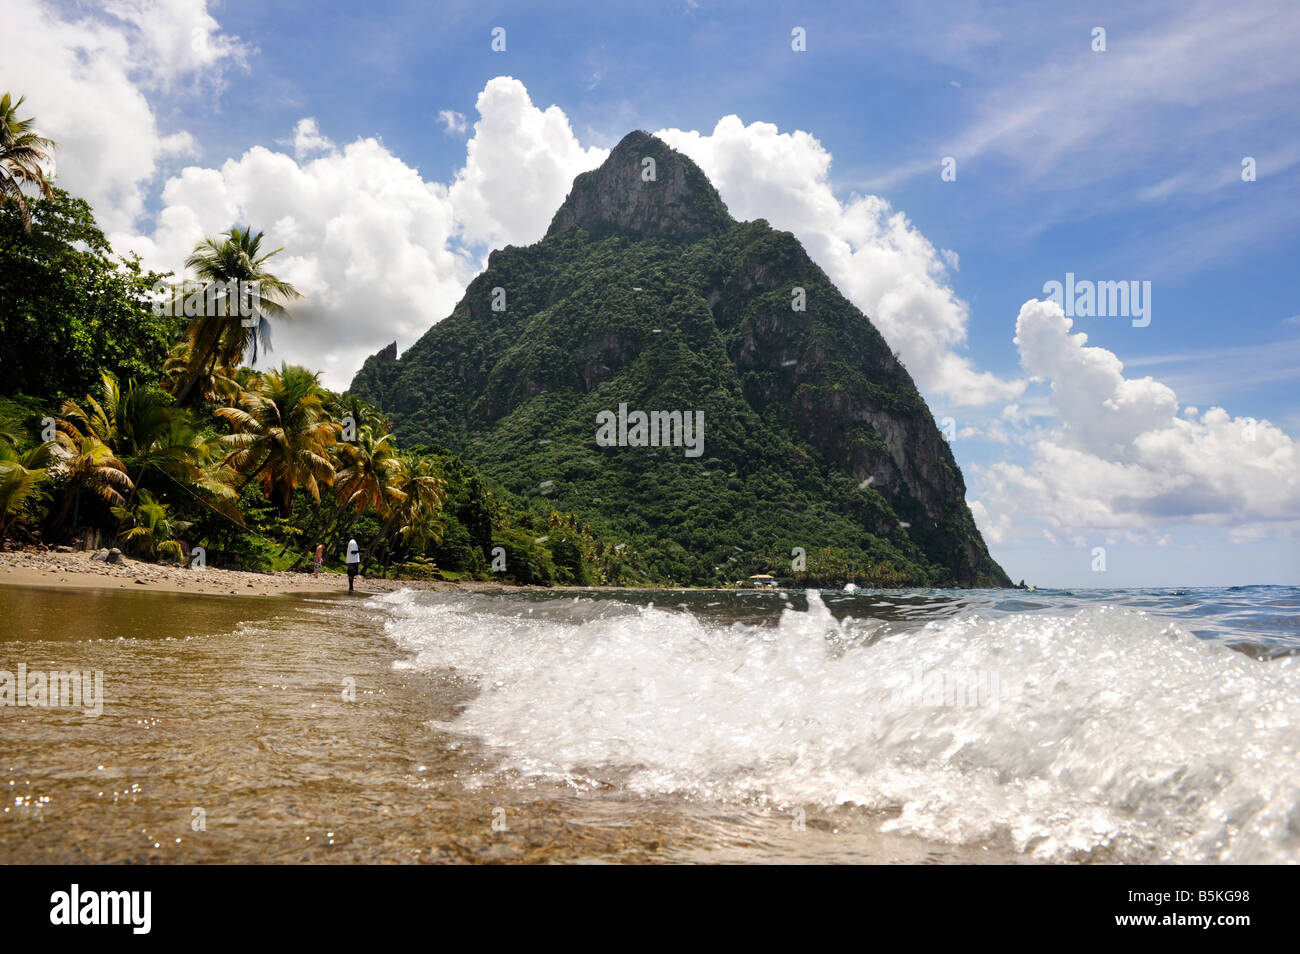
<point x="1093" y="731"/>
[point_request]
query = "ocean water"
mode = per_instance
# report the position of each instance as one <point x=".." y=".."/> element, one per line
<point x="659" y="726"/>
<point x="1106" y="725"/>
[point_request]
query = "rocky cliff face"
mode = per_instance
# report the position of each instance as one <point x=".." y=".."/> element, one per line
<point x="645" y="292"/>
<point x="643" y="190"/>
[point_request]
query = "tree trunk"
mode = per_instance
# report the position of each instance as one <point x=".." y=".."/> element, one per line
<point x="193" y="379"/>
<point x="135" y="485"/>
<point x="324" y="536"/>
<point x="260" y="467"/>
<point x="383" y="532"/>
<point x="68" y="495"/>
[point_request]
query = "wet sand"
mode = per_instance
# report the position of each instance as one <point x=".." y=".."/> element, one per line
<point x="277" y="729"/>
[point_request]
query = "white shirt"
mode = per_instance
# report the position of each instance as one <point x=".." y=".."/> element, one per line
<point x="354" y="552"/>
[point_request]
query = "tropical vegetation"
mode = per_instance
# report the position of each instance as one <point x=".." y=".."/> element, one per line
<point x="127" y="424"/>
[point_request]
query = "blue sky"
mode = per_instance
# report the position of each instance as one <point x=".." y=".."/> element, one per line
<point x="385" y="148"/>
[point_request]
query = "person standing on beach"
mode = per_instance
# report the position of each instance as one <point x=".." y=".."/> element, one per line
<point x="354" y="562"/>
<point x="320" y="559"/>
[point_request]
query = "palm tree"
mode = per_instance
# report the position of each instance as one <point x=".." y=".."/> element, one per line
<point x="23" y="157"/>
<point x="412" y="502"/>
<point x="151" y="433"/>
<point x="363" y="474"/>
<point x="216" y="385"/>
<point x="222" y="340"/>
<point x="282" y="434"/>
<point x="421" y="508"/>
<point x="152" y="528"/>
<point x="22" y="480"/>
<point x="344" y="406"/>
<point x="84" y="456"/>
<point x="370" y="464"/>
<point x="145" y="431"/>
<point x="86" y="462"/>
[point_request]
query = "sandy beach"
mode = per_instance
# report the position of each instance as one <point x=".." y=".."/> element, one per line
<point x="77" y="569"/>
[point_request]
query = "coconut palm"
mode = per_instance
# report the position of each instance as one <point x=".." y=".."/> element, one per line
<point x="222" y="340"/>
<point x="421" y="506"/>
<point x="369" y="466"/>
<point x="151" y="529"/>
<point x="196" y="462"/>
<point x="364" y="470"/>
<point x="282" y="434"/>
<point x="83" y="454"/>
<point x="411" y="503"/>
<point x="156" y="439"/>
<point x="87" y="463"/>
<point x="149" y="430"/>
<point x="23" y="158"/>
<point x="23" y="481"/>
<point x="150" y="435"/>
<point x="215" y="385"/>
<point x="349" y="406"/>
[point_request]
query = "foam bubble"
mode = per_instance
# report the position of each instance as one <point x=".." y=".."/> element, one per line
<point x="1095" y="730"/>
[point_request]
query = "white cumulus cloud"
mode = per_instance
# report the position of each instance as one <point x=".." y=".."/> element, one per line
<point x="86" y="75"/>
<point x="519" y="165"/>
<point x="379" y="253"/>
<point x="1119" y="456"/>
<point x="872" y="252"/>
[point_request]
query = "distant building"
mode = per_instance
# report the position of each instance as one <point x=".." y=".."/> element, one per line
<point x="762" y="579"/>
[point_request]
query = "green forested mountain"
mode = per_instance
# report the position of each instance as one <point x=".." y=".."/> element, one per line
<point x="646" y="293"/>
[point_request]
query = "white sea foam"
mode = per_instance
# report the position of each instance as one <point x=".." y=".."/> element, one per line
<point x="1111" y="731"/>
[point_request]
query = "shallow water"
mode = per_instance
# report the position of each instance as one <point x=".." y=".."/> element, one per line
<point x="941" y="726"/>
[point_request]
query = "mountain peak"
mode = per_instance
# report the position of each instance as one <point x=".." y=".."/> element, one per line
<point x="816" y="433"/>
<point x="645" y="189"/>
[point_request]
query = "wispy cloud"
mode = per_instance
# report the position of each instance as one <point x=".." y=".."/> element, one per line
<point x="453" y="122"/>
<point x="1158" y="125"/>
<point x="1207" y="376"/>
<point x="1084" y="116"/>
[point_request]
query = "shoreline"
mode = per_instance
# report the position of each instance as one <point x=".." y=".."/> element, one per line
<point x="77" y="570"/>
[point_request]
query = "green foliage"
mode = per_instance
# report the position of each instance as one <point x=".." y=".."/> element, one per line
<point x="20" y="419"/>
<point x="151" y="529"/>
<point x="527" y="561"/>
<point x="69" y="309"/>
<point x="24" y="482"/>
